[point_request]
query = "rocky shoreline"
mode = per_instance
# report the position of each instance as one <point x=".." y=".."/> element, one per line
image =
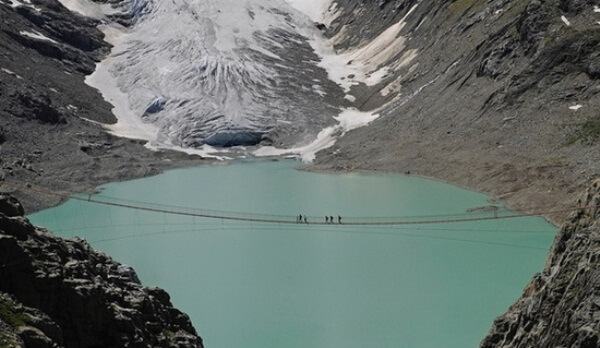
<point x="560" y="307"/>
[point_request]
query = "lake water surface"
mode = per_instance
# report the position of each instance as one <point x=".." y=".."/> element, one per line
<point x="301" y="285"/>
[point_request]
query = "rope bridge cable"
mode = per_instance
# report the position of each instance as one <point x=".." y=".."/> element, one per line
<point x="332" y="230"/>
<point x="282" y="219"/>
<point x="464" y="229"/>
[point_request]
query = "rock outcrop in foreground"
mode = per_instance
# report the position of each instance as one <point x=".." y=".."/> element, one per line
<point x="61" y="293"/>
<point x="561" y="306"/>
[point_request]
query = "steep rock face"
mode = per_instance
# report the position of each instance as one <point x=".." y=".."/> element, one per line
<point x="561" y="306"/>
<point x="94" y="301"/>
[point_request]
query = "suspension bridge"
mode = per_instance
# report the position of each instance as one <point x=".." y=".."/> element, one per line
<point x="500" y="214"/>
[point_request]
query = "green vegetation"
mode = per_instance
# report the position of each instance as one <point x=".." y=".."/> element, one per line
<point x="587" y="132"/>
<point x="168" y="333"/>
<point x="6" y="341"/>
<point x="560" y="161"/>
<point x="9" y="315"/>
<point x="511" y="13"/>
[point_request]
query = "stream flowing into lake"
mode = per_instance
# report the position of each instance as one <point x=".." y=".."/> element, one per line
<point x="250" y="284"/>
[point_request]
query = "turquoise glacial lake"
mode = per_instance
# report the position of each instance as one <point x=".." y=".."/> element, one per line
<point x="252" y="284"/>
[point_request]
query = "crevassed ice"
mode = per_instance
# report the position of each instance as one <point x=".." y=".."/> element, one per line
<point x="218" y="72"/>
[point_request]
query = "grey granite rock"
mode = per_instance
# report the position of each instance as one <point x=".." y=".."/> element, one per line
<point x="90" y="299"/>
<point x="561" y="306"/>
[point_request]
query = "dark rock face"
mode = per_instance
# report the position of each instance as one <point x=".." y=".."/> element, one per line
<point x="561" y="306"/>
<point x="38" y="107"/>
<point x="94" y="301"/>
<point x="10" y="206"/>
<point x="22" y="326"/>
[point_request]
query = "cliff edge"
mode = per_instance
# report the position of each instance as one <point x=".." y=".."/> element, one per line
<point x="560" y="307"/>
<point x="58" y="292"/>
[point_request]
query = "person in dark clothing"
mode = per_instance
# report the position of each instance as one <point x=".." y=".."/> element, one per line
<point x="339" y="219"/>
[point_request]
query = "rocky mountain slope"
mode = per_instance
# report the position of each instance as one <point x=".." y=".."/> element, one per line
<point x="561" y="306"/>
<point x="502" y="96"/>
<point x="62" y="293"/>
<point x="48" y="130"/>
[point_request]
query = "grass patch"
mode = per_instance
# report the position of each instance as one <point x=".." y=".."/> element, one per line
<point x="560" y="161"/>
<point x="587" y="132"/>
<point x="168" y="333"/>
<point x="513" y="11"/>
<point x="9" y="315"/>
<point x="7" y="341"/>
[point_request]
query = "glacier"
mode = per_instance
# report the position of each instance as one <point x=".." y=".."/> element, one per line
<point x="219" y="73"/>
<point x="203" y="75"/>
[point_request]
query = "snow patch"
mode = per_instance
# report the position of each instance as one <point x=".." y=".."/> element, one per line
<point x="37" y="36"/>
<point x="566" y="21"/>
<point x="11" y="73"/>
<point x="596" y="9"/>
<point x="89" y="8"/>
<point x="348" y="120"/>
<point x="367" y="63"/>
<point x="350" y="97"/>
<point x="129" y="125"/>
<point x="319" y="90"/>
<point x="26" y="3"/>
<point x="320" y="11"/>
<point x="206" y="151"/>
<point x="576" y="107"/>
<point x="405" y="60"/>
